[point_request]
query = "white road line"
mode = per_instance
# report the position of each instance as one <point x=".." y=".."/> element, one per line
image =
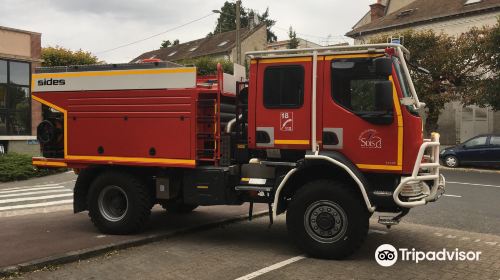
<point x="34" y="205"/>
<point x="32" y="189"/>
<point x="452" y="195"/>
<point x="271" y="268"/>
<point x="36" y="192"/>
<point x="24" y="187"/>
<point x="377" y="231"/>
<point x="35" y="198"/>
<point x="472" y="184"/>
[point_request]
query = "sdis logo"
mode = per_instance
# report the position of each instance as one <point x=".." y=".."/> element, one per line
<point x="370" y="140"/>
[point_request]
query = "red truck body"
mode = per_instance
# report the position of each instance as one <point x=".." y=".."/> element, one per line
<point x="328" y="135"/>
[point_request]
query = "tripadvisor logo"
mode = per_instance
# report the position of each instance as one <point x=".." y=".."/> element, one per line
<point x="388" y="255"/>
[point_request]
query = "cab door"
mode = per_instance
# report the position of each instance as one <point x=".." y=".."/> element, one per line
<point x="283" y="103"/>
<point x="352" y="122"/>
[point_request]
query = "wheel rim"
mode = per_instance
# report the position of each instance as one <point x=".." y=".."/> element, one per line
<point x="325" y="221"/>
<point x="451" y="161"/>
<point x="113" y="203"/>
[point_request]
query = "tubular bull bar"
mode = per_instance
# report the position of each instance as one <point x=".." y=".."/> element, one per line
<point x="414" y="188"/>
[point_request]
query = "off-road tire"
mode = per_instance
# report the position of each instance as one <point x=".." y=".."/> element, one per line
<point x="138" y="201"/>
<point x="339" y="198"/>
<point x="178" y="207"/>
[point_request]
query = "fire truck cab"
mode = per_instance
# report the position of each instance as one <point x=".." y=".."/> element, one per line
<point x="328" y="135"/>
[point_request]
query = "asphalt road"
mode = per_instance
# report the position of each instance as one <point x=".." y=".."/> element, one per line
<point x="249" y="250"/>
<point x="467" y="217"/>
<point x="471" y="203"/>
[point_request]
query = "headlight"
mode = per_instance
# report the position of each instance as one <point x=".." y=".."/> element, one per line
<point x="442" y="152"/>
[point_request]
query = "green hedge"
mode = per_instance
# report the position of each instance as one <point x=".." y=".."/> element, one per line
<point x="18" y="167"/>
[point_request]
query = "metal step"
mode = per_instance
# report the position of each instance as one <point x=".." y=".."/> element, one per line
<point x="253" y="188"/>
<point x="382" y="193"/>
<point x="388" y="221"/>
<point x="278" y="163"/>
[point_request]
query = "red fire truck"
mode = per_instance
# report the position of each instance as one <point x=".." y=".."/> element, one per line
<point x="328" y="135"/>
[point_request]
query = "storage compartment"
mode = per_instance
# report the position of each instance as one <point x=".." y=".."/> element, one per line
<point x="209" y="186"/>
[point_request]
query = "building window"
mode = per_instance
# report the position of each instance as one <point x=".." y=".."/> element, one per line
<point x="284" y="87"/>
<point x="15" y="100"/>
<point x="222" y="43"/>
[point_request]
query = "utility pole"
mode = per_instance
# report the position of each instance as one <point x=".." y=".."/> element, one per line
<point x="238" y="39"/>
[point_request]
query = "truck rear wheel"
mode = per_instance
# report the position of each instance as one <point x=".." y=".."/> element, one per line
<point x="327" y="219"/>
<point x="119" y="203"/>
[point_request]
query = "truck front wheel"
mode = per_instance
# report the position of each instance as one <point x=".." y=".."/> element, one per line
<point x="327" y="219"/>
<point x="119" y="203"/>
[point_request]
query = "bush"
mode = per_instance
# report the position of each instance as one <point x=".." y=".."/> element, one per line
<point x="18" y="167"/>
<point x="208" y="65"/>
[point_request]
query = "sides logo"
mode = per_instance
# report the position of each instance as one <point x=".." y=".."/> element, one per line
<point x="370" y="140"/>
<point x="386" y="255"/>
<point x="51" y="82"/>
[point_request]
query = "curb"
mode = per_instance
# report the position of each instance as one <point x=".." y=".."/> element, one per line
<point x="83" y="254"/>
<point x="461" y="169"/>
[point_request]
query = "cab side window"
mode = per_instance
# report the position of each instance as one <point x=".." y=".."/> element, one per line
<point x="353" y="85"/>
<point x="284" y="86"/>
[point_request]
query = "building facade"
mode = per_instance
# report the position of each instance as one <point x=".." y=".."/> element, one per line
<point x="20" y="53"/>
<point x="392" y="17"/>
<point x="281" y="45"/>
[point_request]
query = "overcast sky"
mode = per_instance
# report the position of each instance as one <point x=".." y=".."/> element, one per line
<point x="100" y="25"/>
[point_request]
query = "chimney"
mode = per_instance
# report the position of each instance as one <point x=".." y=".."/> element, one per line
<point x="377" y="10"/>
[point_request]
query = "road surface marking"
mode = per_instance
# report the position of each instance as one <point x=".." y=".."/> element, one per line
<point x="472" y="184"/>
<point x="32" y="189"/>
<point x="28" y="187"/>
<point x="37" y="192"/>
<point x="377" y="231"/>
<point x="35" y="198"/>
<point x="452" y="195"/>
<point x="32" y="205"/>
<point x="271" y="268"/>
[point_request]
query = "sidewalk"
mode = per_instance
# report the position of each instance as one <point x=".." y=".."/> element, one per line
<point x="39" y="239"/>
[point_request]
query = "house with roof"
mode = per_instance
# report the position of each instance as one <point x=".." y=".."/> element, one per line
<point x="281" y="45"/>
<point x="220" y="45"/>
<point x="453" y="17"/>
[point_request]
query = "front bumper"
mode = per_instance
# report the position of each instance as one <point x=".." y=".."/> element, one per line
<point x="425" y="184"/>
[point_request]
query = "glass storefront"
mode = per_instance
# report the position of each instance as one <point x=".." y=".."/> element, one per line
<point x="15" y="101"/>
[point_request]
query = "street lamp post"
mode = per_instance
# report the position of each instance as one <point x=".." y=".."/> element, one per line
<point x="238" y="38"/>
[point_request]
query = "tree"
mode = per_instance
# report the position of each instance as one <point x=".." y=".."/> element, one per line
<point x="165" y="44"/>
<point x="492" y="83"/>
<point x="227" y="20"/>
<point x="176" y="42"/>
<point x="208" y="65"/>
<point x="293" y="42"/>
<point x="457" y="68"/>
<point x="59" y="56"/>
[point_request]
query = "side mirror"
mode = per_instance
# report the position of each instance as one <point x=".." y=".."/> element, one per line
<point x="383" y="96"/>
<point x="383" y="66"/>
